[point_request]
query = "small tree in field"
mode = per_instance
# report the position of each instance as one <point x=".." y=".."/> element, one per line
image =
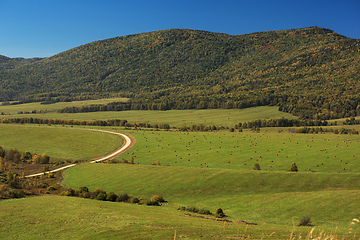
<point x="256" y="166"/>
<point x="219" y="213"/>
<point x="293" y="168"/>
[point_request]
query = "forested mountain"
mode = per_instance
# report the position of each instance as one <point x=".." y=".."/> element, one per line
<point x="10" y="63"/>
<point x="311" y="72"/>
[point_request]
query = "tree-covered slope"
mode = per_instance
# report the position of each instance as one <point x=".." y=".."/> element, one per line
<point x="10" y="63"/>
<point x="311" y="72"/>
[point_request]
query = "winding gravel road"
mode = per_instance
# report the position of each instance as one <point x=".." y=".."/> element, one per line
<point x="109" y="156"/>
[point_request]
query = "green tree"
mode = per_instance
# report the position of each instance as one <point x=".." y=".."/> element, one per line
<point x="293" y="168"/>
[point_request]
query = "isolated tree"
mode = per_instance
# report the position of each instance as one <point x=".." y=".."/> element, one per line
<point x="256" y="166"/>
<point x="44" y="159"/>
<point x="293" y="168"/>
<point x="219" y="213"/>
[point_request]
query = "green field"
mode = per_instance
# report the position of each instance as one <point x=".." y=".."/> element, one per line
<point x="60" y="143"/>
<point x="215" y="170"/>
<point x="176" y="118"/>
<point x="274" y="151"/>
<point x="56" y="217"/>
<point x="201" y="169"/>
<point x="13" y="110"/>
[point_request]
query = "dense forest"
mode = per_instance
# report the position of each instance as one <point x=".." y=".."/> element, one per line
<point x="311" y="72"/>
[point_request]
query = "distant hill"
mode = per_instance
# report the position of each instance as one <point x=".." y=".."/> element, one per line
<point x="10" y="63"/>
<point x="311" y="72"/>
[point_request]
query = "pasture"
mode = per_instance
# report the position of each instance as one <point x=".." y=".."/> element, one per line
<point x="176" y="118"/>
<point x="60" y="143"/>
<point x="13" y="110"/>
<point x="215" y="169"/>
<point x="201" y="169"/>
<point x="56" y="217"/>
<point x="274" y="151"/>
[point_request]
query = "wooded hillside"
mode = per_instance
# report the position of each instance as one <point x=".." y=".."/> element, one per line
<point x="311" y="72"/>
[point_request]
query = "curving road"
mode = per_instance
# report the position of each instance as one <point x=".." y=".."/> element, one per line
<point x="109" y="156"/>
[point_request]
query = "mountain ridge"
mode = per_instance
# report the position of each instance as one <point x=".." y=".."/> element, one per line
<point x="202" y="70"/>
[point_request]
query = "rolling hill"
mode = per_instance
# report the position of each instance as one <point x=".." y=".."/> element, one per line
<point x="310" y="72"/>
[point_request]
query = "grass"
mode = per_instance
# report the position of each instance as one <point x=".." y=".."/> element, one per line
<point x="254" y="196"/>
<point x="274" y="151"/>
<point x="44" y="218"/>
<point x="29" y="107"/>
<point x="59" y="143"/>
<point x="205" y="170"/>
<point x="176" y="118"/>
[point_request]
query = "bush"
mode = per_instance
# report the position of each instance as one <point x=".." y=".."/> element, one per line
<point x="182" y="208"/>
<point x="123" y="198"/>
<point x="256" y="166"/>
<point x="205" y="211"/>
<point x="99" y="191"/>
<point x="134" y="200"/>
<point x="305" y="221"/>
<point x="192" y="209"/>
<point x="293" y="168"/>
<point x="101" y="196"/>
<point x="83" y="189"/>
<point x="51" y="175"/>
<point x="111" y="197"/>
<point x="157" y="163"/>
<point x="219" y="213"/>
<point x="159" y="199"/>
<point x="16" y="194"/>
<point x="51" y="188"/>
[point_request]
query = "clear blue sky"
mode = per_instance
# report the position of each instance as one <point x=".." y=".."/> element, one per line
<point x="42" y="28"/>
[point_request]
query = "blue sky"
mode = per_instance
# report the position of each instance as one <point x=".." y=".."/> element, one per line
<point x="40" y="28"/>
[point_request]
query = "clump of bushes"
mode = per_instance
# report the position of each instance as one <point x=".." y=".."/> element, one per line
<point x="100" y="194"/>
<point x="219" y="212"/>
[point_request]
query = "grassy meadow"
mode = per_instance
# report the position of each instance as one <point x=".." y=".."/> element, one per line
<point x="176" y="118"/>
<point x="13" y="110"/>
<point x="200" y="169"/>
<point x="274" y="151"/>
<point x="210" y="170"/>
<point x="56" y="217"/>
<point x="60" y="143"/>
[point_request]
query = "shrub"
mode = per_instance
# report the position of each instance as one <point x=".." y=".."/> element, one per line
<point x="159" y="199"/>
<point x="123" y="198"/>
<point x="69" y="192"/>
<point x="256" y="166"/>
<point x="85" y="195"/>
<point x="219" y="213"/>
<point x="51" y="175"/>
<point x="205" y="211"/>
<point x="134" y="200"/>
<point x="192" y="209"/>
<point x="98" y="191"/>
<point x="101" y="196"/>
<point x="156" y="163"/>
<point x="293" y="168"/>
<point x="182" y="208"/>
<point x="111" y="197"/>
<point x="83" y="189"/>
<point x="305" y="221"/>
<point x="16" y="194"/>
<point x="51" y="188"/>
